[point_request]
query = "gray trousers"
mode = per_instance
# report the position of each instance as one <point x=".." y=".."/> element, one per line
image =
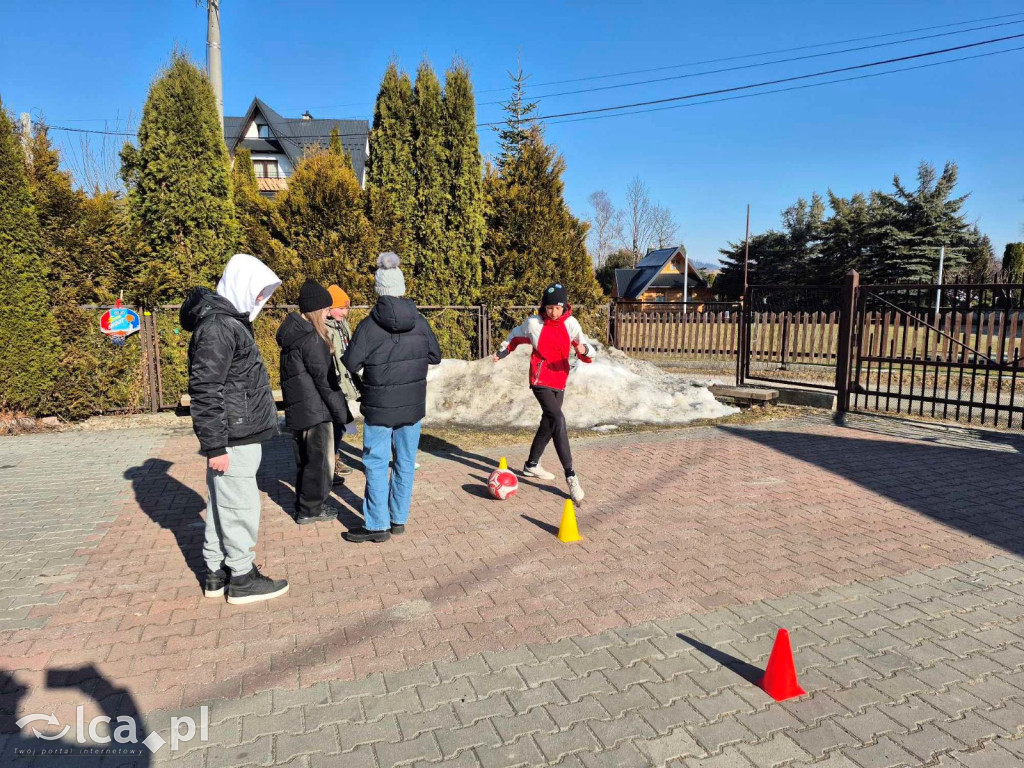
<point x="233" y="511"/>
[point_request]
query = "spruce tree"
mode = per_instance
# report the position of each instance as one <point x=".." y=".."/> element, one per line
<point x="911" y="225"/>
<point x="459" y="282"/>
<point x="390" y="180"/>
<point x="28" y="332"/>
<point x="519" y="119"/>
<point x="1013" y="262"/>
<point x="261" y="228"/>
<point x="325" y="223"/>
<point x="179" y="185"/>
<point x="532" y="237"/>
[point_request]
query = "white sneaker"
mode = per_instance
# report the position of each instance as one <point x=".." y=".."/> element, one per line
<point x="539" y="472"/>
<point x="575" y="489"/>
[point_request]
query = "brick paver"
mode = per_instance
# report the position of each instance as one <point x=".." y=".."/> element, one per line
<point x="478" y="638"/>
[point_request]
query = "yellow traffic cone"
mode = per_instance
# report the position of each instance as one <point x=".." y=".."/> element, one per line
<point x="502" y="464"/>
<point x="568" y="532"/>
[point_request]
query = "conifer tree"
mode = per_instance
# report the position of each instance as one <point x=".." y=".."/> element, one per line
<point x="390" y="179"/>
<point x="519" y="119"/>
<point x="325" y="223"/>
<point x="84" y="239"/>
<point x="464" y="219"/>
<point x="1013" y="262"/>
<point x="179" y="185"/>
<point x="261" y="228"/>
<point x="532" y="237"/>
<point x="28" y="332"/>
<point x="430" y="162"/>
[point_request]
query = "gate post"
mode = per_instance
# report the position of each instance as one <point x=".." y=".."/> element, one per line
<point x="844" y="352"/>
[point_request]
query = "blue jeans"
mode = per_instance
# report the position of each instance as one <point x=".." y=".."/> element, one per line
<point x="386" y="502"/>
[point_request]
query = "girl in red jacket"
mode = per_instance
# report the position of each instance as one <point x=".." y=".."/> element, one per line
<point x="552" y="333"/>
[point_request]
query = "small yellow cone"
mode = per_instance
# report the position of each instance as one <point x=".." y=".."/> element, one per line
<point x="568" y="532"/>
<point x="502" y="464"/>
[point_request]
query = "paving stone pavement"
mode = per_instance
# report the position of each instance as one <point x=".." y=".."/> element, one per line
<point x="889" y="551"/>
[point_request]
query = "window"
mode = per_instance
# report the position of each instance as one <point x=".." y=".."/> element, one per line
<point x="266" y="169"/>
<point x="263" y="131"/>
<point x="660" y="298"/>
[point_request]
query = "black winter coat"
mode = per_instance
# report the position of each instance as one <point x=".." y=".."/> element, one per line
<point x="393" y="347"/>
<point x="232" y="403"/>
<point x="309" y="382"/>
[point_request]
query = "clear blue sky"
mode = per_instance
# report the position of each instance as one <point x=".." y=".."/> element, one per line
<point x="75" y="62"/>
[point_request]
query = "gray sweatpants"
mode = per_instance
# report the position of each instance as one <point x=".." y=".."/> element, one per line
<point x="233" y="511"/>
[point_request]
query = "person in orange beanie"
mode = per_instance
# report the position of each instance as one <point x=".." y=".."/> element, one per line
<point x="340" y="335"/>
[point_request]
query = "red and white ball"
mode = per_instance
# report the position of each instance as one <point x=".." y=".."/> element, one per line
<point x="502" y="484"/>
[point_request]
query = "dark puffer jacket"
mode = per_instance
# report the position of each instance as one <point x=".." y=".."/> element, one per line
<point x="309" y="383"/>
<point x="232" y="403"/>
<point x="393" y="347"/>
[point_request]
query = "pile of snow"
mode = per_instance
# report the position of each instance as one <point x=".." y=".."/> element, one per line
<point x="614" y="389"/>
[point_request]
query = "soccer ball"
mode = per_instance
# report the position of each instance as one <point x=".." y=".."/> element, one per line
<point x="502" y="484"/>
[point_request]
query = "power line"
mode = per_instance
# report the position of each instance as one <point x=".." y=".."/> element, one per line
<point x="763" y="53"/>
<point x="763" y="63"/>
<point x="791" y="88"/>
<point x="777" y="81"/>
<point x="556" y="117"/>
<point x="722" y="59"/>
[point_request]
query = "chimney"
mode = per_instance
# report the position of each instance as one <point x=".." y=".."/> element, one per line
<point x="306" y="115"/>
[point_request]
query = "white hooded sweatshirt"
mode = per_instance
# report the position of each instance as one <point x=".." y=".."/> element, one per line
<point x="246" y="277"/>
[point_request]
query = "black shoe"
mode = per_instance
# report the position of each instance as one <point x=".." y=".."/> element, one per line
<point x="360" y="534"/>
<point x="397" y="529"/>
<point x="325" y="513"/>
<point x="253" y="587"/>
<point x="215" y="582"/>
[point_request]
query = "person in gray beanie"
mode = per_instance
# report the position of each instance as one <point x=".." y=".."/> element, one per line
<point x="393" y="348"/>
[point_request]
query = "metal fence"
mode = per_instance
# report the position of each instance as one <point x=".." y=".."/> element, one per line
<point x="465" y="332"/>
<point x="951" y="352"/>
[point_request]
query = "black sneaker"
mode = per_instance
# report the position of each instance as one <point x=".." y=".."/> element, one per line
<point x="325" y="513"/>
<point x="397" y="529"/>
<point x="215" y="582"/>
<point x="360" y="534"/>
<point x="253" y="587"/>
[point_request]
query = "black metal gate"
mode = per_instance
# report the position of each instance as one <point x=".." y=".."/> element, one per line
<point x="949" y="352"/>
<point x="791" y="335"/>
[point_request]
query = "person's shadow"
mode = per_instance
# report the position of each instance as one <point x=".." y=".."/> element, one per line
<point x="173" y="505"/>
<point x="22" y="747"/>
<point x="436" y="446"/>
<point x="276" y="478"/>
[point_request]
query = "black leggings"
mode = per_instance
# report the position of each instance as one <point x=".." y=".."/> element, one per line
<point x="552" y="425"/>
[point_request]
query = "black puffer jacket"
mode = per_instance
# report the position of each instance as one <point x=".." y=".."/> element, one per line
<point x="309" y="383"/>
<point x="232" y="403"/>
<point x="393" y="347"/>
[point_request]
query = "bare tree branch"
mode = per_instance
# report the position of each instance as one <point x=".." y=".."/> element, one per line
<point x="606" y="225"/>
<point x="638" y="219"/>
<point x="663" y="227"/>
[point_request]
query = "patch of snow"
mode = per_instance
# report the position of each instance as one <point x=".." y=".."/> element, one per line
<point x="614" y="389"/>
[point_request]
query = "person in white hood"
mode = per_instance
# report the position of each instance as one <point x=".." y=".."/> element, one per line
<point x="233" y="413"/>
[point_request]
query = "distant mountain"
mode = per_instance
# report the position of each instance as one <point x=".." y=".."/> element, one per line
<point x="710" y="266"/>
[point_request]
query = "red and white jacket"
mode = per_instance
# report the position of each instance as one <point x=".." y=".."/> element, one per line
<point x="552" y="341"/>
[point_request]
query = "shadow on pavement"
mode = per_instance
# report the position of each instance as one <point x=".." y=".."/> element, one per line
<point x="114" y="702"/>
<point x="975" y="489"/>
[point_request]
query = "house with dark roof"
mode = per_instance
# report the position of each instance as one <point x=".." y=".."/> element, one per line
<point x="659" y="277"/>
<point x="278" y="143"/>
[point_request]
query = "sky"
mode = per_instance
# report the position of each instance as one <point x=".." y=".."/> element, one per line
<point x="89" y="65"/>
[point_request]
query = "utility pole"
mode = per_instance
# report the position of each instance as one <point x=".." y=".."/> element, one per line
<point x="686" y="277"/>
<point x="213" y="66"/>
<point x="26" y="137"/>
<point x="938" y="292"/>
<point x="746" y="252"/>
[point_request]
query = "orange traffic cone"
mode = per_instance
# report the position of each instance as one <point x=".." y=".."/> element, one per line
<point x="568" y="532"/>
<point x="779" y="679"/>
<point x="502" y="464"/>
